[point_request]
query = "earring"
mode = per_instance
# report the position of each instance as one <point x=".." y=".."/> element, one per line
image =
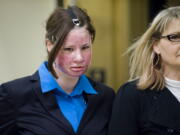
<point x="156" y="61"/>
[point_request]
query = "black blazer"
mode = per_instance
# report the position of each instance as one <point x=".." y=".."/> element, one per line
<point x="144" y="112"/>
<point x="24" y="110"/>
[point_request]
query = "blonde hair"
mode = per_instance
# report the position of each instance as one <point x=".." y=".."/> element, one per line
<point x="145" y="64"/>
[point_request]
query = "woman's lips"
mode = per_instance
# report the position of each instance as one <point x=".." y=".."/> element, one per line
<point x="78" y="69"/>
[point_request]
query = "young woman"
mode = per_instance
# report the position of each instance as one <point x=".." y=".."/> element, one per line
<point x="59" y="99"/>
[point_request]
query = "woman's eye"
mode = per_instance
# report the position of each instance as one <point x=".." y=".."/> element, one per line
<point x="68" y="49"/>
<point x="175" y="36"/>
<point x="85" y="47"/>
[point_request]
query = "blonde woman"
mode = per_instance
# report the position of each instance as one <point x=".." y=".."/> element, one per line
<point x="149" y="104"/>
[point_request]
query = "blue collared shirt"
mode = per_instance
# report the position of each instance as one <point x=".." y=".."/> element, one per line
<point x="72" y="105"/>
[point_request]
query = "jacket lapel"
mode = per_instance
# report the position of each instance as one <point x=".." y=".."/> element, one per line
<point x="166" y="110"/>
<point x="49" y="103"/>
<point x="93" y="101"/>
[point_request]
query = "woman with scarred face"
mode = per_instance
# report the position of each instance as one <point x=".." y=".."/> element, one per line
<point x="59" y="99"/>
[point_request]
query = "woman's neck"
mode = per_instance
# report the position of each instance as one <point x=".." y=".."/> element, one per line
<point x="67" y="83"/>
<point x="173" y="75"/>
<point x="171" y="71"/>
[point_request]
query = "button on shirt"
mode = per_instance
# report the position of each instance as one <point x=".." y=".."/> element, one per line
<point x="71" y="105"/>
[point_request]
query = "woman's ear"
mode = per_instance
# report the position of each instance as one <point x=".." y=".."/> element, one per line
<point x="49" y="45"/>
<point x="156" y="48"/>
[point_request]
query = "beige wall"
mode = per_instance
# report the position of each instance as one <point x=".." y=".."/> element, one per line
<point x="22" y="32"/>
<point x="101" y="13"/>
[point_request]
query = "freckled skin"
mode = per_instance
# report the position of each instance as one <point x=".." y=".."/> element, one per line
<point x="74" y="57"/>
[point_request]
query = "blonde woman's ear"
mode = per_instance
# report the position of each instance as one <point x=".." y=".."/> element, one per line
<point x="156" y="48"/>
<point x="49" y="45"/>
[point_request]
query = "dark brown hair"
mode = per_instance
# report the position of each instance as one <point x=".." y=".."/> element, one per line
<point x="59" y="24"/>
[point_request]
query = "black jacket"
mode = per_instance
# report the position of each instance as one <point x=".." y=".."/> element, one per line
<point x="144" y="112"/>
<point x="24" y="110"/>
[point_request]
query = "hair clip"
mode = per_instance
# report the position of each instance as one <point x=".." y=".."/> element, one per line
<point x="73" y="16"/>
<point x="76" y="21"/>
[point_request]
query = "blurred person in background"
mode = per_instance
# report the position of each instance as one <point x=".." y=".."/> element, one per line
<point x="149" y="104"/>
<point x="59" y="99"/>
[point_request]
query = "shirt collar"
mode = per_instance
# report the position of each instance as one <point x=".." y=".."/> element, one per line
<point x="83" y="85"/>
<point x="48" y="83"/>
<point x="47" y="80"/>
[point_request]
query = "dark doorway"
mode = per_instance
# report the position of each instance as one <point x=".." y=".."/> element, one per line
<point x="155" y="6"/>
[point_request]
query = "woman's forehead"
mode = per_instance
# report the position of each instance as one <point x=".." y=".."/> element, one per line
<point x="78" y="35"/>
<point x="173" y="26"/>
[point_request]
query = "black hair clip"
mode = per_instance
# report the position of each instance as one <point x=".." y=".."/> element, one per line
<point x="74" y="18"/>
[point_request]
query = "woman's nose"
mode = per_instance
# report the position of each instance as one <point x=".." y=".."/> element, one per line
<point x="78" y="56"/>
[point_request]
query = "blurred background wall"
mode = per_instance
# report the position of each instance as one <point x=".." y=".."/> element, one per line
<point x="118" y="24"/>
<point x="22" y="32"/>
